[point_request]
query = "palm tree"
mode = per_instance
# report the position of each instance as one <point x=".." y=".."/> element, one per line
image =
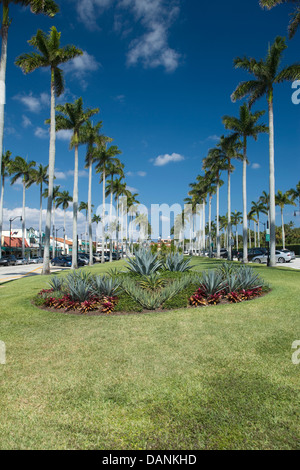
<point x="84" y="206"/>
<point x="72" y="116"/>
<point x="295" y="21"/>
<point x="40" y="177"/>
<point x="49" y="8"/>
<point x="216" y="165"/>
<point x="104" y="156"/>
<point x="23" y="170"/>
<point x="258" y="208"/>
<point x="49" y="54"/>
<point x="267" y="74"/>
<point x="295" y="193"/>
<point x="5" y="172"/>
<point x="199" y="191"/>
<point x="64" y="199"/>
<point x="90" y="135"/>
<point x="251" y="218"/>
<point x="283" y="200"/>
<point x="236" y="218"/>
<point x="243" y="127"/>
<point x="224" y="226"/>
<point x="55" y="194"/>
<point x="113" y="169"/>
<point x="96" y="220"/>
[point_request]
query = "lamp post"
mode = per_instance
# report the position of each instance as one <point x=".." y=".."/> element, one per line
<point x="10" y="222"/>
<point x="56" y="231"/>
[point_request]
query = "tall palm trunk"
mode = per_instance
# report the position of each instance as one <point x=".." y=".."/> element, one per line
<point x="258" y="231"/>
<point x="237" y="237"/>
<point x="46" y="265"/>
<point x="250" y="238"/>
<point x="110" y="220"/>
<point x="255" y="234"/>
<point x="103" y="216"/>
<point x="23" y="220"/>
<point x="209" y="224"/>
<point x="272" y="182"/>
<point x="1" y="213"/>
<point x="282" y="228"/>
<point x="229" y="216"/>
<point x="53" y="233"/>
<point x="75" y="210"/>
<point x="245" y="213"/>
<point x="3" y="62"/>
<point x="90" y="213"/>
<point x="64" y="231"/>
<point x="218" y="221"/>
<point x="41" y="220"/>
<point x="204" y="226"/>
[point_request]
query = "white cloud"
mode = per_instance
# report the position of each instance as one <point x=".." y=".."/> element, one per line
<point x="41" y="133"/>
<point x="64" y="135"/>
<point x="60" y="175"/>
<point x="80" y="66"/>
<point x="141" y="173"/>
<point x="138" y="173"/>
<point x="131" y="189"/>
<point x="33" y="103"/>
<point x="156" y="17"/>
<point x="162" y="160"/>
<point x="81" y="173"/>
<point x="255" y="166"/>
<point x="26" y="122"/>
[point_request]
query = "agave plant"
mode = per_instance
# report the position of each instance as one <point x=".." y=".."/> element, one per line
<point x="78" y="284"/>
<point x="103" y="286"/>
<point x="232" y="283"/>
<point x="249" y="279"/>
<point x="57" y="283"/>
<point x="175" y="262"/>
<point x="212" y="282"/>
<point x="144" y="263"/>
<point x="227" y="268"/>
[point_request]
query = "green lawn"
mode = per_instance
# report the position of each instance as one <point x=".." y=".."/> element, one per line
<point x="212" y="378"/>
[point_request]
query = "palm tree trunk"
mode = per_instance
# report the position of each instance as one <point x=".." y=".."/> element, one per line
<point x="283" y="231"/>
<point x="64" y="231"/>
<point x="103" y="215"/>
<point x="3" y="62"/>
<point x="110" y="220"/>
<point x="229" y="216"/>
<point x="46" y="265"/>
<point x="75" y="211"/>
<point x="90" y="213"/>
<point x="272" y="182"/>
<point x="258" y="231"/>
<point x="245" y="213"/>
<point x="53" y="233"/>
<point x="41" y="220"/>
<point x="237" y="238"/>
<point x="209" y="224"/>
<point x="204" y="226"/>
<point x="23" y="220"/>
<point x="1" y="213"/>
<point x="255" y="223"/>
<point x="218" y="221"/>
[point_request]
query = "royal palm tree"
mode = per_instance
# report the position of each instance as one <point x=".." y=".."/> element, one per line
<point x="295" y="20"/>
<point x="236" y="218"/>
<point x="5" y="172"/>
<point x="72" y="117"/>
<point x="258" y="208"/>
<point x="49" y="54"/>
<point x="90" y="135"/>
<point x="64" y="199"/>
<point x="49" y="8"/>
<point x="282" y="200"/>
<point x="266" y="75"/>
<point x="113" y="169"/>
<point x="216" y="165"/>
<point x="224" y="226"/>
<point x="199" y="191"/>
<point x="40" y="177"/>
<point x="84" y="206"/>
<point x="251" y="218"/>
<point x="103" y="156"/>
<point x="24" y="171"/>
<point x="96" y="220"/>
<point x="55" y="194"/>
<point x="244" y="127"/>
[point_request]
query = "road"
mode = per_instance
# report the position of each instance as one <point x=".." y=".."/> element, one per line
<point x="9" y="273"/>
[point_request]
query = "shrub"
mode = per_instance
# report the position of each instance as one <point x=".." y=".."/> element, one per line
<point x="144" y="263"/>
<point x="57" y="283"/>
<point x="175" y="262"/>
<point x="105" y="286"/>
<point x="78" y="285"/>
<point x="152" y="282"/>
<point x="212" y="282"/>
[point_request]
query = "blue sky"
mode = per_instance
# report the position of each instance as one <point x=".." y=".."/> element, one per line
<point x="161" y="73"/>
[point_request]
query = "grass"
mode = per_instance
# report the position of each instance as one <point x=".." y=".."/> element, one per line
<point x="213" y="378"/>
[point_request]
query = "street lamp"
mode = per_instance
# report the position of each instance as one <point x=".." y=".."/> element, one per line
<point x="10" y="222"/>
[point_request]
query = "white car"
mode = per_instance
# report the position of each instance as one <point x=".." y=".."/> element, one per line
<point x="22" y="261"/>
<point x="36" y="260"/>
<point x="281" y="257"/>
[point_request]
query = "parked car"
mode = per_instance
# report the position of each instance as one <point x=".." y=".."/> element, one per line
<point x="36" y="260"/>
<point x="22" y="261"/>
<point x="280" y="256"/>
<point x="58" y="261"/>
<point x="292" y="253"/>
<point x="223" y="253"/>
<point x="252" y="253"/>
<point x="9" y="260"/>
